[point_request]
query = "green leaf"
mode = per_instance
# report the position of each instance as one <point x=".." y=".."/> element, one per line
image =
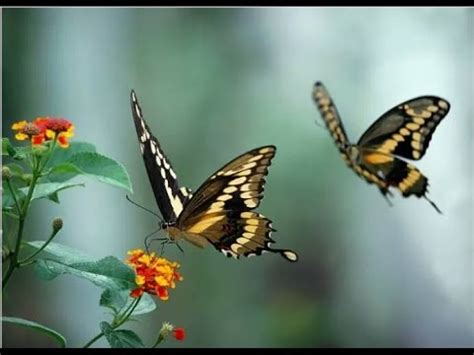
<point x="16" y="169"/>
<point x="7" y="148"/>
<point x="61" y="155"/>
<point x="54" y="197"/>
<point x="118" y="301"/>
<point x="62" y="252"/>
<point x="46" y="189"/>
<point x="33" y="325"/>
<point x="95" y="166"/>
<point x="121" y="338"/>
<point x="108" y="272"/>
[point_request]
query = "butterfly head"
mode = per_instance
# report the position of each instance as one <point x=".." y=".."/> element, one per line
<point x="164" y="225"/>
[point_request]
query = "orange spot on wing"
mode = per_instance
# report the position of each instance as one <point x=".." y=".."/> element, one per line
<point x="377" y="158"/>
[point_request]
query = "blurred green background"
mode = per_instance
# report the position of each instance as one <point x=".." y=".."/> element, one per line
<point x="214" y="83"/>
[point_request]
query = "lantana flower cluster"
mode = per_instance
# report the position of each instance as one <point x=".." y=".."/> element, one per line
<point x="154" y="275"/>
<point x="45" y="129"/>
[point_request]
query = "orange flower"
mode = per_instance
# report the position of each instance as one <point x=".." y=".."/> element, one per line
<point x="43" y="129"/>
<point x="56" y="128"/>
<point x="154" y="275"/>
<point x="27" y="130"/>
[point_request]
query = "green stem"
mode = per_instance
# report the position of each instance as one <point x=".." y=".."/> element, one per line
<point x="15" y="199"/>
<point x="115" y="324"/>
<point x="159" y="340"/>
<point x="23" y="212"/>
<point x="37" y="168"/>
<point x="26" y="260"/>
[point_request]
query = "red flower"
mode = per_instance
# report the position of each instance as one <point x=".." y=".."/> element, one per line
<point x="43" y="129"/>
<point x="154" y="275"/>
<point x="179" y="333"/>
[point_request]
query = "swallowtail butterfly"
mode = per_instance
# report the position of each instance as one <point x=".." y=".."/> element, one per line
<point x="219" y="212"/>
<point x="402" y="132"/>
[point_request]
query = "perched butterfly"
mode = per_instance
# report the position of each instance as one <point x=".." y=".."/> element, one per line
<point x="220" y="211"/>
<point x="403" y="132"/>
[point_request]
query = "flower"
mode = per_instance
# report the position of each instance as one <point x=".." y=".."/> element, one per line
<point x="154" y="275"/>
<point x="166" y="329"/>
<point x="44" y="129"/>
<point x="179" y="333"/>
<point x="56" y="128"/>
<point x="27" y="130"/>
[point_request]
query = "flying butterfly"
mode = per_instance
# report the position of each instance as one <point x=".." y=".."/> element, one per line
<point x="402" y="132"/>
<point x="219" y="212"/>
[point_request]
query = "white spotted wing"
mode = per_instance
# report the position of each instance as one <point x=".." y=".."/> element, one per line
<point x="169" y="196"/>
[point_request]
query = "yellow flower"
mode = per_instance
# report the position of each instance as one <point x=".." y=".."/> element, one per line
<point x="154" y="275"/>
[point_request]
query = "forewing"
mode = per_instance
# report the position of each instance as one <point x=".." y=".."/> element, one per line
<point x="330" y="116"/>
<point x="406" y="129"/>
<point x="170" y="197"/>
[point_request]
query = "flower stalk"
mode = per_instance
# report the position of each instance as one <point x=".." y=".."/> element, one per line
<point x="117" y="322"/>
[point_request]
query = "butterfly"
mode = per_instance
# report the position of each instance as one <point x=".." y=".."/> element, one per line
<point x="219" y="212"/>
<point x="402" y="132"/>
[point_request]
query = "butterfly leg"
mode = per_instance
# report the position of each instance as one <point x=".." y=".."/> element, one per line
<point x="179" y="247"/>
<point x="163" y="243"/>
<point x="386" y="193"/>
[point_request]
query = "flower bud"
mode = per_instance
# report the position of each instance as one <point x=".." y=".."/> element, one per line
<point x="57" y="224"/>
<point x="6" y="172"/>
<point x="28" y="178"/>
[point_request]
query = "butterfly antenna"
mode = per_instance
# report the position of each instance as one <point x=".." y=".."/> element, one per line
<point x="143" y="208"/>
<point x="433" y="204"/>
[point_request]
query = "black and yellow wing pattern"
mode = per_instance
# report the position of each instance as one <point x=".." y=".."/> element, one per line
<point x="220" y="212"/>
<point x="404" y="131"/>
<point x="331" y="117"/>
<point x="221" y="209"/>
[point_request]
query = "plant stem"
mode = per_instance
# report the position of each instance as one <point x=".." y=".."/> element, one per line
<point x="15" y="199"/>
<point x="22" y="212"/>
<point x="22" y="217"/>
<point x="26" y="260"/>
<point x="115" y="324"/>
<point x="159" y="340"/>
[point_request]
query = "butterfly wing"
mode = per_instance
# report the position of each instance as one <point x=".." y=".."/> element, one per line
<point x="169" y="196"/>
<point x="221" y="209"/>
<point x="406" y="129"/>
<point x="330" y="116"/>
<point x="386" y="170"/>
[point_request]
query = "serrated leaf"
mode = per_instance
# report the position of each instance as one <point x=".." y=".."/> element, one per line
<point x="108" y="272"/>
<point x="62" y="252"/>
<point x="121" y="338"/>
<point x="95" y="166"/>
<point x="46" y="189"/>
<point x="53" y="197"/>
<point x="61" y="155"/>
<point x="58" y="338"/>
<point x="118" y="301"/>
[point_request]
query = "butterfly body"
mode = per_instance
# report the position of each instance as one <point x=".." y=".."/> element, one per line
<point x="403" y="132"/>
<point x="219" y="212"/>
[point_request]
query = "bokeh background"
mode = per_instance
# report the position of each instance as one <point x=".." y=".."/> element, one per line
<point x="214" y="83"/>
